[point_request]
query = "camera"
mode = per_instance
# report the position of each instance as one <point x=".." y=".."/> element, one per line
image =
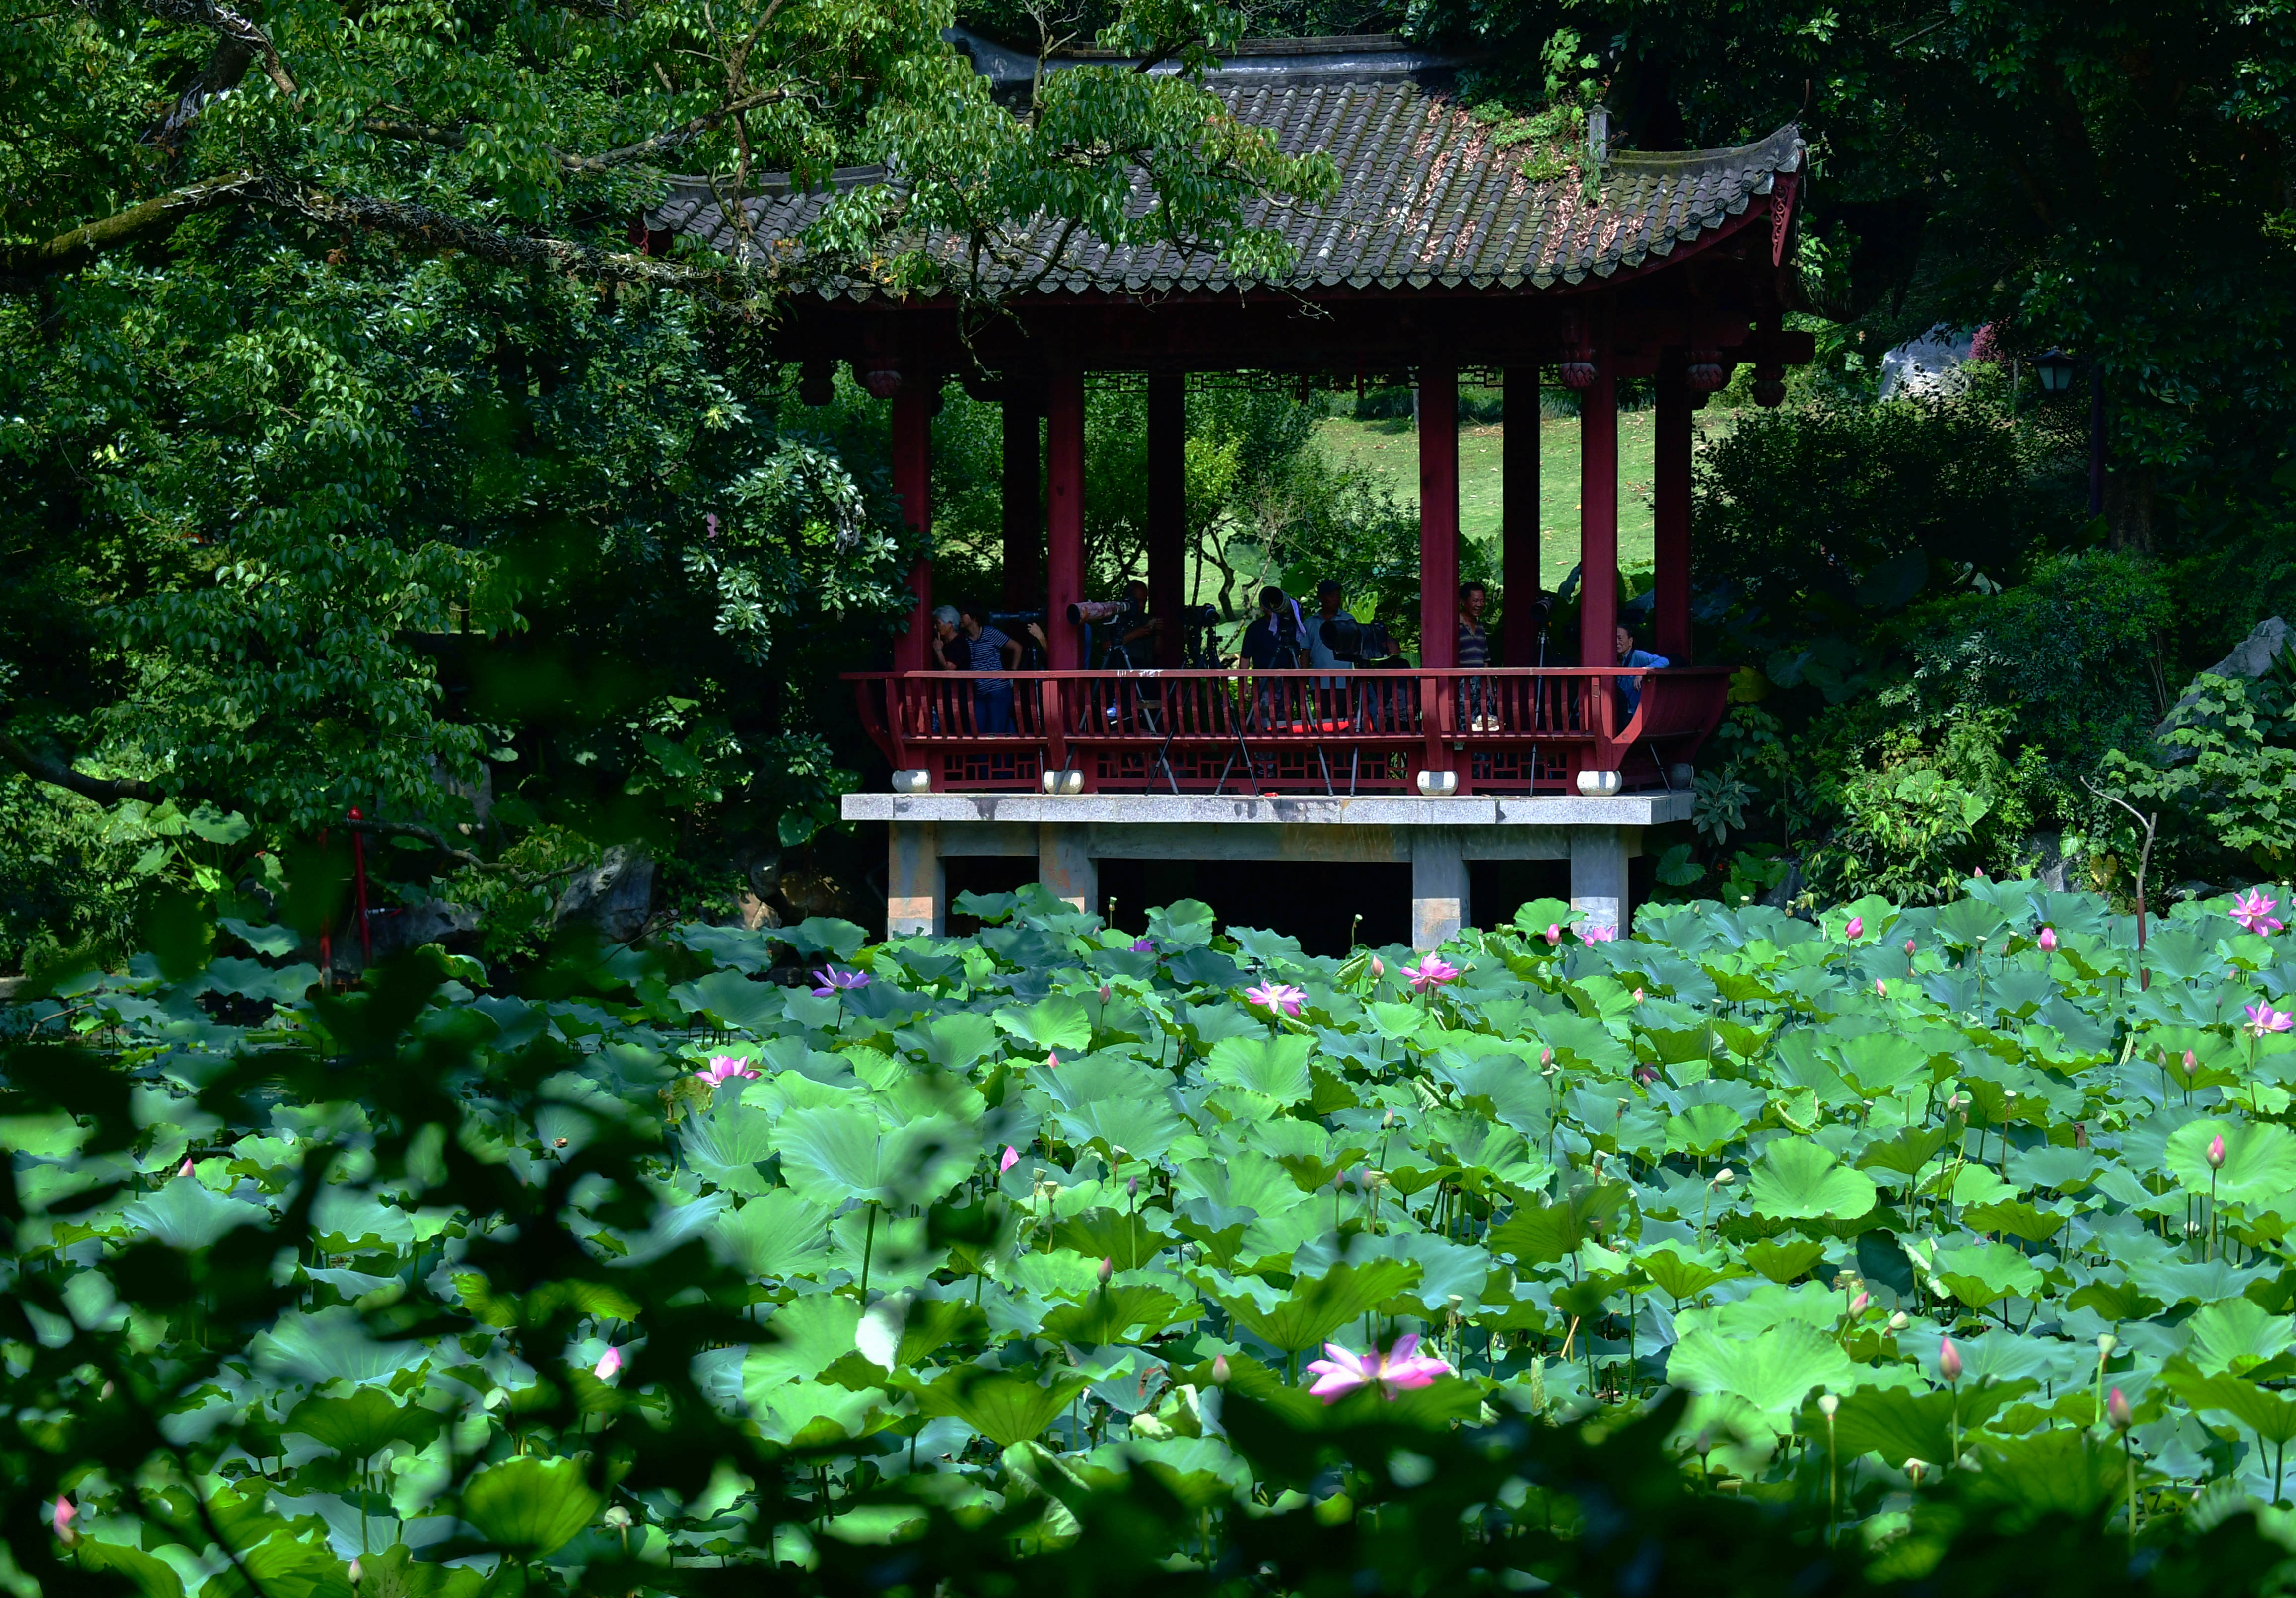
<point x="1099" y="612"/>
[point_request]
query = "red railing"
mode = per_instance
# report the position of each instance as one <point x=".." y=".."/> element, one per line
<point x="1303" y="731"/>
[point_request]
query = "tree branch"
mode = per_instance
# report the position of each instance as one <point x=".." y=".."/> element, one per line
<point x="225" y="69"/>
<point x="226" y="23"/>
<point x="56" y="773"/>
<point x="455" y="137"/>
<point x="156" y="215"/>
<point x="424" y="834"/>
<point x="418" y="224"/>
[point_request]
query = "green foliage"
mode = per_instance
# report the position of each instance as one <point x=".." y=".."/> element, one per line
<point x="419" y="1272"/>
<point x="2223" y="775"/>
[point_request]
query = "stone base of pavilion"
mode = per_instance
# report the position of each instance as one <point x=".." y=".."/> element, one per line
<point x="1070" y="835"/>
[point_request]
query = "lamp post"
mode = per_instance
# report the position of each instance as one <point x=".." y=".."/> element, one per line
<point x="2057" y="368"/>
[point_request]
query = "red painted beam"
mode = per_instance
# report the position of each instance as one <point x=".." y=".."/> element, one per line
<point x="1064" y="517"/>
<point x="1598" y="511"/>
<point x="1439" y="514"/>
<point x="913" y="482"/>
<point x="1167" y="510"/>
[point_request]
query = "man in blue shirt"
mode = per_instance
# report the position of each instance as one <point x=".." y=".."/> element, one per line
<point x="1630" y="693"/>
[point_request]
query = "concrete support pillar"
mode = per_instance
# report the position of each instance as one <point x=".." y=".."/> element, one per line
<point x="1064" y="517"/>
<point x="1670" y="511"/>
<point x="1439" y="514"/>
<point x="1519" y="580"/>
<point x="1598" y="877"/>
<point x="916" y="882"/>
<point x="1598" y="508"/>
<point x="1168" y="511"/>
<point x="912" y="405"/>
<point x="1064" y="864"/>
<point x="1438" y="888"/>
<point x="1023" y="507"/>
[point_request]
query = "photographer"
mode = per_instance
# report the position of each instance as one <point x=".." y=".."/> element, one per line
<point x="1273" y="642"/>
<point x="963" y="642"/>
<point x="1134" y="648"/>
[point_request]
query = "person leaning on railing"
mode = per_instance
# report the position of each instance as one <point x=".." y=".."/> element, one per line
<point x="1630" y="693"/>
<point x="963" y="642"/>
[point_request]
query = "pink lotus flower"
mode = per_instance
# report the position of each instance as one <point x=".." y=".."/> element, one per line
<point x="61" y="1517"/>
<point x="1008" y="1159"/>
<point x="1638" y="996"/>
<point x="1104" y="991"/>
<point x="186" y="1168"/>
<point x="2216" y="1154"/>
<point x="1219" y="1370"/>
<point x="1432" y="971"/>
<point x="724" y="1067"/>
<point x="1948" y="1360"/>
<point x="1399" y="1370"/>
<point x="1598" y="935"/>
<point x="1857" y="1305"/>
<point x="2117" y="1411"/>
<point x="2263" y="1019"/>
<point x="1052" y="1060"/>
<point x="1881" y="988"/>
<point x="1554" y="931"/>
<point x="2254" y="914"/>
<point x="833" y="982"/>
<point x="609" y="1363"/>
<point x="1909" y="948"/>
<point x="1378" y="968"/>
<point x="1856" y="929"/>
<point x="1276" y="995"/>
<point x="2048" y="939"/>
<point x="2191" y="1063"/>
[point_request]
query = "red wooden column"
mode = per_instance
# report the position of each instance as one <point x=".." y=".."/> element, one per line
<point x="1670" y="511"/>
<point x="1167" y="510"/>
<point x="1439" y="515"/>
<point x="1519" y="516"/>
<point x="1065" y="515"/>
<point x="1024" y="509"/>
<point x="1598" y="509"/>
<point x="913" y="482"/>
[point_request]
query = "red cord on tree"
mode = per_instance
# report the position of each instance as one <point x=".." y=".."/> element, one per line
<point x="326" y="934"/>
<point x="358" y="893"/>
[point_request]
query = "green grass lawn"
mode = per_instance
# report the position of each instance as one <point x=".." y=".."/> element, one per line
<point x="1389" y="451"/>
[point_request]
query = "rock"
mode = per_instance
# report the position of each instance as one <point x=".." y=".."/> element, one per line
<point x="1927" y="364"/>
<point x="434" y="921"/>
<point x="755" y="912"/>
<point x="765" y="874"/>
<point x="2249" y="659"/>
<point x="615" y="896"/>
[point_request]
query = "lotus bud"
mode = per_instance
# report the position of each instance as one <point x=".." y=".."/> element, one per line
<point x="1219" y="1370"/>
<point x="1881" y="988"/>
<point x="616" y="1517"/>
<point x="2048" y="939"/>
<point x="1725" y="1177"/>
<point x="609" y="1363"/>
<point x="1857" y="1305"/>
<point x="357" y="1574"/>
<point x="2192" y="1062"/>
<point x="1909" y="948"/>
<point x="1052" y="1060"/>
<point x="1948" y="1360"/>
<point x="1008" y="1159"/>
<point x="2215" y="1155"/>
<point x="2106" y="1344"/>
<point x="2116" y="1410"/>
<point x="186" y="1168"/>
<point x="1856" y="929"/>
<point x="1554" y="933"/>
<point x="1638" y="996"/>
<point x="1900" y="1321"/>
<point x="1378" y="968"/>
<point x="61" y="1516"/>
<point x="1103" y="992"/>
<point x="1827" y="1404"/>
<point x="1107" y="1270"/>
<point x="1132" y="1187"/>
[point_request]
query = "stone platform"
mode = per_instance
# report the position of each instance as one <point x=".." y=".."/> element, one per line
<point x="1070" y="835"/>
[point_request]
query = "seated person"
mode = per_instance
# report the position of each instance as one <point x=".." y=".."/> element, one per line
<point x="963" y="642"/>
<point x="1630" y="693"/>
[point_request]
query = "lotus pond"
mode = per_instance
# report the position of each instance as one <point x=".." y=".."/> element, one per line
<point x="451" y="1282"/>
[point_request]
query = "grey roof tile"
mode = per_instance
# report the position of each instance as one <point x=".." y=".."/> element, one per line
<point x="1426" y="195"/>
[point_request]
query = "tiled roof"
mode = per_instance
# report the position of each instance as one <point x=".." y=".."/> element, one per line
<point x="1427" y="196"/>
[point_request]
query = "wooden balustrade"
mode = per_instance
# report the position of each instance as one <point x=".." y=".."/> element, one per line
<point x="1501" y="731"/>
